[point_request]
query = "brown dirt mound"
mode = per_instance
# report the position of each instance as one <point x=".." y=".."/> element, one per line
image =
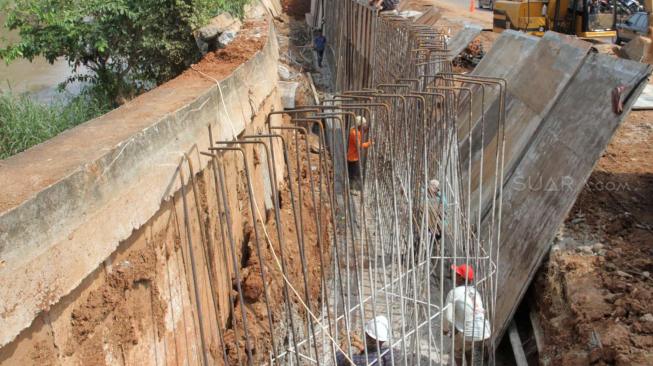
<point x="296" y="8"/>
<point x="219" y="64"/>
<point x="139" y="269"/>
<point x="252" y="282"/>
<point x="596" y="305"/>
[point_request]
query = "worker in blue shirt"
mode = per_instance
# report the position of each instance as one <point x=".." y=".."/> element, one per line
<point x="319" y="45"/>
<point x="377" y="333"/>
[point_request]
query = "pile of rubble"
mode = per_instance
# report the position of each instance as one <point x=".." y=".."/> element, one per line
<point x="220" y="31"/>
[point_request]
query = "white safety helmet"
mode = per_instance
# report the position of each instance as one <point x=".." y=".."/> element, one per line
<point x="378" y="328"/>
<point x="360" y="121"/>
<point x="434" y="185"/>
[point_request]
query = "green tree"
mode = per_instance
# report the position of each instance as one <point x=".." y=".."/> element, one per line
<point x="120" y="46"/>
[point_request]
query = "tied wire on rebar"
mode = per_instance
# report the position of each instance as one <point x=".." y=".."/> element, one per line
<point x="386" y="247"/>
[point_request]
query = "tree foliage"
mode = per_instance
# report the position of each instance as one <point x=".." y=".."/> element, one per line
<point x="121" y="46"/>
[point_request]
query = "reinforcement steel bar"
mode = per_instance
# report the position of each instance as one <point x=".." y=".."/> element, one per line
<point x="408" y="177"/>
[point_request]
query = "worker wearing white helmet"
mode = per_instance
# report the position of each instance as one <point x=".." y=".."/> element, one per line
<point x="465" y="317"/>
<point x="377" y="333"/>
<point x="378" y="329"/>
<point x="434" y="186"/>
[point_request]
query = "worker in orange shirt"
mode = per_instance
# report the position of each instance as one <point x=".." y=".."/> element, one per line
<point x="353" y="155"/>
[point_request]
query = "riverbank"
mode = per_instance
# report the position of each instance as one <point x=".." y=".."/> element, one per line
<point x="35" y="106"/>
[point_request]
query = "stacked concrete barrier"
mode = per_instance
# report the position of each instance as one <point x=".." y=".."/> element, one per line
<point x="558" y="121"/>
<point x="533" y="85"/>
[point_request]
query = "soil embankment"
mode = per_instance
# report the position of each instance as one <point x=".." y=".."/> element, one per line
<point x="595" y="294"/>
<point x="296" y="8"/>
<point x="304" y="248"/>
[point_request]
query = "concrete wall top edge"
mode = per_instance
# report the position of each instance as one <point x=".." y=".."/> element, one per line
<point x="70" y="201"/>
<point x="24" y="175"/>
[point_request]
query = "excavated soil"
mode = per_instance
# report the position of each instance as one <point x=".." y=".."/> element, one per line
<point x="296" y="8"/>
<point x="118" y="302"/>
<point x="115" y="299"/>
<point x="308" y="265"/>
<point x="221" y="63"/>
<point x="595" y="294"/>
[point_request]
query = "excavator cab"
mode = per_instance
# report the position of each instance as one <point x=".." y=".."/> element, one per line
<point x="590" y="19"/>
<point x="594" y="20"/>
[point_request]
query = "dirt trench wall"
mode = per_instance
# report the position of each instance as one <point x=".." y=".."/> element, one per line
<point x="98" y="264"/>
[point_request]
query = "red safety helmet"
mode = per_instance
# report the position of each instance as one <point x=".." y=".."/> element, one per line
<point x="464" y="271"/>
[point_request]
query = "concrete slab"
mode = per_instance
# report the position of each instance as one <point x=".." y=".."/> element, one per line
<point x="533" y="87"/>
<point x="460" y="40"/>
<point x="555" y="131"/>
<point x="551" y="171"/>
<point x="508" y="52"/>
<point x="645" y="100"/>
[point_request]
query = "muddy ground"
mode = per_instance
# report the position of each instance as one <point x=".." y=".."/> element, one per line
<point x="296" y="8"/>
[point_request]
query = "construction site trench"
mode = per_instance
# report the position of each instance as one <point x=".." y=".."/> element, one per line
<point x="223" y="222"/>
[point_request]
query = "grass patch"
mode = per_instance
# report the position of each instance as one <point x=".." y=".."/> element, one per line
<point x="25" y="122"/>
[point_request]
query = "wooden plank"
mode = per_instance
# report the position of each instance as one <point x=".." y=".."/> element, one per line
<point x="517" y="347"/>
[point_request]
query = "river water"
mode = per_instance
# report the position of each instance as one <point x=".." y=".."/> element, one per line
<point x="38" y="78"/>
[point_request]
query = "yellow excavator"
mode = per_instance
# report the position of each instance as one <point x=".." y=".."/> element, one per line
<point x="594" y="20"/>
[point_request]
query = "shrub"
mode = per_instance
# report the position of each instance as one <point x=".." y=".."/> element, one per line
<point x="25" y="122"/>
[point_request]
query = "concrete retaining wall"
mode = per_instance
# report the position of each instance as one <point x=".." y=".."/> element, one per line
<point x="558" y="121"/>
<point x="533" y="85"/>
<point x="98" y="208"/>
<point x="554" y="167"/>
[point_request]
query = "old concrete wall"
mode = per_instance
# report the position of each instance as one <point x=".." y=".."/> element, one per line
<point x="95" y="255"/>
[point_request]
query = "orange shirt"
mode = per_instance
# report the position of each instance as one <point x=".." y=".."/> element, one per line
<point x="355" y="137"/>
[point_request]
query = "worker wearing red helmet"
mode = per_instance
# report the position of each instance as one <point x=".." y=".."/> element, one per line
<point x="465" y="317"/>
